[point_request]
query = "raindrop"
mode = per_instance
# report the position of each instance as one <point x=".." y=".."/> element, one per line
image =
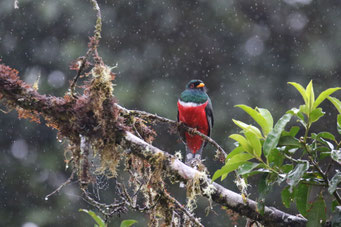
<point x="254" y="46"/>
<point x="297" y="21"/>
<point x="56" y="79"/>
<point x="19" y="149"/>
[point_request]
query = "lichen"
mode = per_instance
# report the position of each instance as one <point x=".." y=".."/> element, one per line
<point x="199" y="185"/>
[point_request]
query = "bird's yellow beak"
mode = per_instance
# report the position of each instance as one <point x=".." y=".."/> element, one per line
<point x="201" y="85"/>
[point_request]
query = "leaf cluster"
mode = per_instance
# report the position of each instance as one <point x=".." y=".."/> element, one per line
<point x="286" y="158"/>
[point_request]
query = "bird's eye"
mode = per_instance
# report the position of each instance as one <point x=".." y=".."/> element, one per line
<point x="191" y="86"/>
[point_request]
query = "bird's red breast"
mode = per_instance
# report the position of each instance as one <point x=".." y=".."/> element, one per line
<point x="194" y="115"/>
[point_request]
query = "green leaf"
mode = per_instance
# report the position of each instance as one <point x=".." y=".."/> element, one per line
<point x="127" y="223"/>
<point x="317" y="213"/>
<point x="235" y="151"/>
<point x="336" y="155"/>
<point x="293" y="111"/>
<point x="289" y="141"/>
<point x="326" y="135"/>
<point x="315" y="115"/>
<point x="339" y="123"/>
<point x="238" y="158"/>
<point x="336" y="216"/>
<point x="275" y="158"/>
<point x="219" y="173"/>
<point x="257" y="171"/>
<point x="231" y="165"/>
<point x="304" y="109"/>
<point x="324" y="155"/>
<point x="335" y="203"/>
<point x="225" y="170"/>
<point x="287" y="197"/>
<point x="257" y="117"/>
<point x="311" y="97"/>
<point x="301" y="91"/>
<point x="287" y="168"/>
<point x="301" y="198"/>
<point x="301" y="119"/>
<point x="227" y="173"/>
<point x="242" y="141"/>
<point x="325" y="94"/>
<point x="246" y="168"/>
<point x="96" y="218"/>
<point x="267" y="116"/>
<point x="334" y="182"/>
<point x="248" y="128"/>
<point x="272" y="139"/>
<point x="336" y="102"/>
<point x="294" y="176"/>
<point x="293" y="131"/>
<point x="255" y="143"/>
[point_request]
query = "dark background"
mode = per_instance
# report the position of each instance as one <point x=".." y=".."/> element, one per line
<point x="245" y="51"/>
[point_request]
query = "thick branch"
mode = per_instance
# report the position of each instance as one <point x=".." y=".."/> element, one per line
<point x="74" y="115"/>
<point x="222" y="196"/>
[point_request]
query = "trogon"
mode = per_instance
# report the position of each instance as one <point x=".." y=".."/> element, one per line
<point x="195" y="110"/>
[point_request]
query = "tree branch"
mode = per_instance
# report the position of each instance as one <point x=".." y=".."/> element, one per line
<point x="221" y="154"/>
<point x="97" y="118"/>
<point x="221" y="195"/>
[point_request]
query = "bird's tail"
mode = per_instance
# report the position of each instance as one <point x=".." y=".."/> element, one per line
<point x="190" y="160"/>
<point x="190" y="156"/>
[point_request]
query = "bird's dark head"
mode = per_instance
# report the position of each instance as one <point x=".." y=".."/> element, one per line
<point x="196" y="85"/>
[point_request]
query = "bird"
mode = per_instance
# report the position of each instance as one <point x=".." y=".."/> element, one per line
<point x="195" y="110"/>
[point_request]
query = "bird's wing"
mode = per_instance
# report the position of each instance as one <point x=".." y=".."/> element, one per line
<point x="209" y="116"/>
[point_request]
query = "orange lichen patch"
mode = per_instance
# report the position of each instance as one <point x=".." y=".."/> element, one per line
<point x="33" y="116"/>
<point x="52" y="125"/>
<point x="68" y="98"/>
<point x="144" y="130"/>
<point x="77" y="64"/>
<point x="9" y="72"/>
<point x="113" y="76"/>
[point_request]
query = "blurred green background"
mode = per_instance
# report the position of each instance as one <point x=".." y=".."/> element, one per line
<point x="245" y="51"/>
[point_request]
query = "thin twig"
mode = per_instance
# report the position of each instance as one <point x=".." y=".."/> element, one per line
<point x="68" y="181"/>
<point x="93" y="44"/>
<point x="154" y="117"/>
<point x="105" y="209"/>
<point x="317" y="167"/>
<point x="129" y="201"/>
<point x="98" y="27"/>
<point x="182" y="208"/>
<point x="82" y="62"/>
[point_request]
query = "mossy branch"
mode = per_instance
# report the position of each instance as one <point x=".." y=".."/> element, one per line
<point x="221" y="195"/>
<point x="95" y="115"/>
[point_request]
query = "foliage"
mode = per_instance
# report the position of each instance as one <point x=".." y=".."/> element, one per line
<point x="127" y="223"/>
<point x="298" y="159"/>
<point x="101" y="223"/>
